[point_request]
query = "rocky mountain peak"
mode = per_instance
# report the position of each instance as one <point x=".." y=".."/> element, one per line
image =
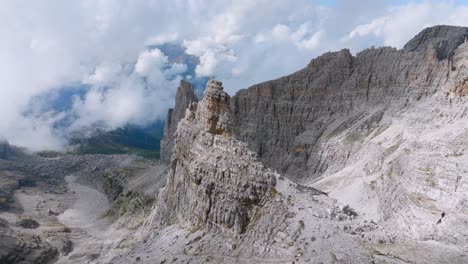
<point x="221" y="197"/>
<point x="215" y="109"/>
<point x="445" y="39"/>
<point x="184" y="96"/>
<point x="370" y="130"/>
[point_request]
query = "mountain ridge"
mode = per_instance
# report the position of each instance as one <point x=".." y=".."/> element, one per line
<point x="383" y="131"/>
<point x="353" y="159"/>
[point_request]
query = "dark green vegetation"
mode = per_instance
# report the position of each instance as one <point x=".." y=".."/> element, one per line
<point x="143" y="142"/>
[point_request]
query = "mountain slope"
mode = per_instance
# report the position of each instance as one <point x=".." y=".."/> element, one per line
<point x="384" y="131"/>
<point x="353" y="159"/>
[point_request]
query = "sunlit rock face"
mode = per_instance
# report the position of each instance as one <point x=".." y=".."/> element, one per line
<point x="225" y="202"/>
<point x="384" y="131"/>
<point x="215" y="181"/>
<point x="215" y="112"/>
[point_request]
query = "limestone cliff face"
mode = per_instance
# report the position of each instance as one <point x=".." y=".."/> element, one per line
<point x="444" y="39"/>
<point x="185" y="95"/>
<point x="288" y="120"/>
<point x="215" y="112"/>
<point x="221" y="201"/>
<point x="214" y="181"/>
<point x="385" y="131"/>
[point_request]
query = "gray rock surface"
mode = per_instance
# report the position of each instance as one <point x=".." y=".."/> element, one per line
<point x="184" y="96"/>
<point x="444" y="39"/>
<point x="221" y="205"/>
<point x="24" y="249"/>
<point x="377" y="140"/>
<point x="34" y="196"/>
<point x="214" y="180"/>
<point x="285" y="120"/>
<point x="215" y="113"/>
<point x="384" y="131"/>
<point x="27" y="223"/>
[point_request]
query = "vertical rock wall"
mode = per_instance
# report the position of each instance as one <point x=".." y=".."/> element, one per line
<point x="185" y="95"/>
<point x="214" y="181"/>
<point x="288" y="121"/>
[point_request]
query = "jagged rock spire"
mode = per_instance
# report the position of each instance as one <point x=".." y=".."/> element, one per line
<point x="184" y="96"/>
<point x="215" y="111"/>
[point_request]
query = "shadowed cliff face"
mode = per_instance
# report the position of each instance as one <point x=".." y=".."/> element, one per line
<point x="185" y="95"/>
<point x="287" y="121"/>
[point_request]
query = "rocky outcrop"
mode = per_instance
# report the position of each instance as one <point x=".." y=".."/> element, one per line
<point x="214" y="180"/>
<point x="25" y="249"/>
<point x="444" y="39"/>
<point x="215" y="112"/>
<point x="184" y="96"/>
<point x="27" y="223"/>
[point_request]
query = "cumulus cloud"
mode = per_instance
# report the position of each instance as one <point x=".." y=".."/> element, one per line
<point x="104" y="74"/>
<point x="137" y="95"/>
<point x="161" y="39"/>
<point x="302" y="37"/>
<point x="109" y="47"/>
<point x="148" y="60"/>
<point x="403" y="22"/>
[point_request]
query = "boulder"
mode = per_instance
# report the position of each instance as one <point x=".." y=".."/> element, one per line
<point x="28" y="223"/>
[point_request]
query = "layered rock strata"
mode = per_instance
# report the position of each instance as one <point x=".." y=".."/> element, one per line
<point x="221" y="202"/>
<point x="287" y="121"/>
<point x="384" y="131"/>
<point x="214" y="180"/>
<point x="184" y="96"/>
<point x="215" y="112"/>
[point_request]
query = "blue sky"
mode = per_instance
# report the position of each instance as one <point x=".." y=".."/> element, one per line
<point x="104" y="45"/>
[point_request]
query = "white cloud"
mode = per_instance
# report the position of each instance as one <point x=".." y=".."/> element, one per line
<point x="403" y="22"/>
<point x="175" y="69"/>
<point x="162" y="39"/>
<point x="374" y="27"/>
<point x="302" y="37"/>
<point x="104" y="74"/>
<point x="148" y="60"/>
